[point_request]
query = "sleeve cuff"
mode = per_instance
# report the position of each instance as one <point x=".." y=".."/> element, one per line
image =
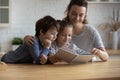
<point x="45" y="51"/>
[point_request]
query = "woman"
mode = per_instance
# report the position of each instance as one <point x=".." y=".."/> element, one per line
<point x="84" y="36"/>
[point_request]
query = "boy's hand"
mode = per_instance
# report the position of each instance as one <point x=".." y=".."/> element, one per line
<point x="43" y="59"/>
<point x="47" y="43"/>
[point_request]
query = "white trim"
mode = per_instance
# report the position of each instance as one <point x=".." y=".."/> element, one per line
<point x="9" y="10"/>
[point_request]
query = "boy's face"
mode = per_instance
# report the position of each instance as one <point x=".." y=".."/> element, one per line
<point x="51" y="34"/>
<point x="65" y="36"/>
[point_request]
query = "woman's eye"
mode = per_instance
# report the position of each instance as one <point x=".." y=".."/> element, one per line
<point x="80" y="15"/>
<point x="74" y="14"/>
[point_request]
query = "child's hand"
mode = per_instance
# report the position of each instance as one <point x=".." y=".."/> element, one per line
<point x="47" y="43"/>
<point x="53" y="59"/>
<point x="43" y="59"/>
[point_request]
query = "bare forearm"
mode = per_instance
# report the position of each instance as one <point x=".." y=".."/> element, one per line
<point x="101" y="53"/>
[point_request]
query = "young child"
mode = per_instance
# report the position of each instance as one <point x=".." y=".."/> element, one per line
<point x="64" y="40"/>
<point x="46" y="31"/>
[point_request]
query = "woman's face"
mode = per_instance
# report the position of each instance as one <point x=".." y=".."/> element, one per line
<point x="77" y="14"/>
<point x="65" y="36"/>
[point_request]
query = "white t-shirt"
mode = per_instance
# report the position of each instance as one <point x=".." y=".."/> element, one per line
<point x="88" y="39"/>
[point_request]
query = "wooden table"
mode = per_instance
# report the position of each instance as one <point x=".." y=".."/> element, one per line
<point x="113" y="51"/>
<point x="109" y="70"/>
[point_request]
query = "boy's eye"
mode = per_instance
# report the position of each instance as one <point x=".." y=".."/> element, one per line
<point x="54" y="33"/>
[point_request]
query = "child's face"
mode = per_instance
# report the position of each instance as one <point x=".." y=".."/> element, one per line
<point x="65" y="36"/>
<point x="51" y="34"/>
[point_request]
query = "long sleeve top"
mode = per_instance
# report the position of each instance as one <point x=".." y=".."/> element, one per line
<point x="26" y="54"/>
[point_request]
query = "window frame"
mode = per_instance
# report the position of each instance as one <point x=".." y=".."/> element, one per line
<point x="9" y="14"/>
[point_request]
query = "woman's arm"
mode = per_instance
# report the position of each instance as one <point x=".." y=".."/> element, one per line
<point x="98" y="48"/>
<point x="101" y="53"/>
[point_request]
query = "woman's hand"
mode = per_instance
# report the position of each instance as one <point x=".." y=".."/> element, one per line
<point x="29" y="40"/>
<point x="96" y="51"/>
<point x="101" y="53"/>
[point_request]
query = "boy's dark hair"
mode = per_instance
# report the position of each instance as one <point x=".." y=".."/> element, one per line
<point x="44" y="24"/>
<point x="82" y="3"/>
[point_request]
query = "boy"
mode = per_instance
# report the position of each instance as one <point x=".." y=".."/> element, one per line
<point x="46" y="32"/>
